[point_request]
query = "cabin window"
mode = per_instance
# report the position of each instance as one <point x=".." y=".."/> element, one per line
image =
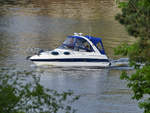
<point x="68" y="44"/>
<point x="66" y="53"/>
<point x="54" y="53"/>
<point x="82" y="45"/>
<point x="100" y="48"/>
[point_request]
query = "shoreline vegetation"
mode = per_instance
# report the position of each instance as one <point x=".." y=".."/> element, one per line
<point x="135" y="16"/>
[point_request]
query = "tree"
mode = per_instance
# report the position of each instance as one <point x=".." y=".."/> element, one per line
<point x="21" y="92"/>
<point x="135" y="17"/>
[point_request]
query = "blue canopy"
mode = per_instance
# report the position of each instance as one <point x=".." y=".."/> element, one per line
<point x="94" y="40"/>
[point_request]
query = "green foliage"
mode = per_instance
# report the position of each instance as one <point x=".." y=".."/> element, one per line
<point x="135" y="17"/>
<point x="21" y="92"/>
<point x="139" y="82"/>
<point x="123" y="4"/>
<point x="122" y="49"/>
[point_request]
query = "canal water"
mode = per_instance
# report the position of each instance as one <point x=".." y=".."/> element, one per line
<point x="26" y="25"/>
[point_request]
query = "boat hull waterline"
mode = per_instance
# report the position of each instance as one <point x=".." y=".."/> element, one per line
<point x="72" y="62"/>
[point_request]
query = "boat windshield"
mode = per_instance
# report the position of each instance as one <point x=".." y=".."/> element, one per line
<point x="76" y="44"/>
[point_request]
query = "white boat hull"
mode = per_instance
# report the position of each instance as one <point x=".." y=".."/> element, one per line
<point x="74" y="64"/>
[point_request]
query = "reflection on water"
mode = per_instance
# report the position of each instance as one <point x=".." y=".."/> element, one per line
<point x="27" y="24"/>
<point x="101" y="90"/>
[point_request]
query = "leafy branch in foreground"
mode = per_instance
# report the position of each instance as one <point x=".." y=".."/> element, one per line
<point x="139" y="82"/>
<point x="135" y="17"/>
<point x="21" y="92"/>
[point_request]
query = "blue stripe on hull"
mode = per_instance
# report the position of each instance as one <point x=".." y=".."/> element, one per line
<point x="71" y="60"/>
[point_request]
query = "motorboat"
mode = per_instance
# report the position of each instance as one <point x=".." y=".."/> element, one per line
<point x="77" y="50"/>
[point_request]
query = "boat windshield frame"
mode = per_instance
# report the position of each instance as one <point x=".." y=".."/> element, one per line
<point x="76" y="44"/>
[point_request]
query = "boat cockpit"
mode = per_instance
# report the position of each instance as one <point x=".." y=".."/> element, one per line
<point x="78" y="43"/>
